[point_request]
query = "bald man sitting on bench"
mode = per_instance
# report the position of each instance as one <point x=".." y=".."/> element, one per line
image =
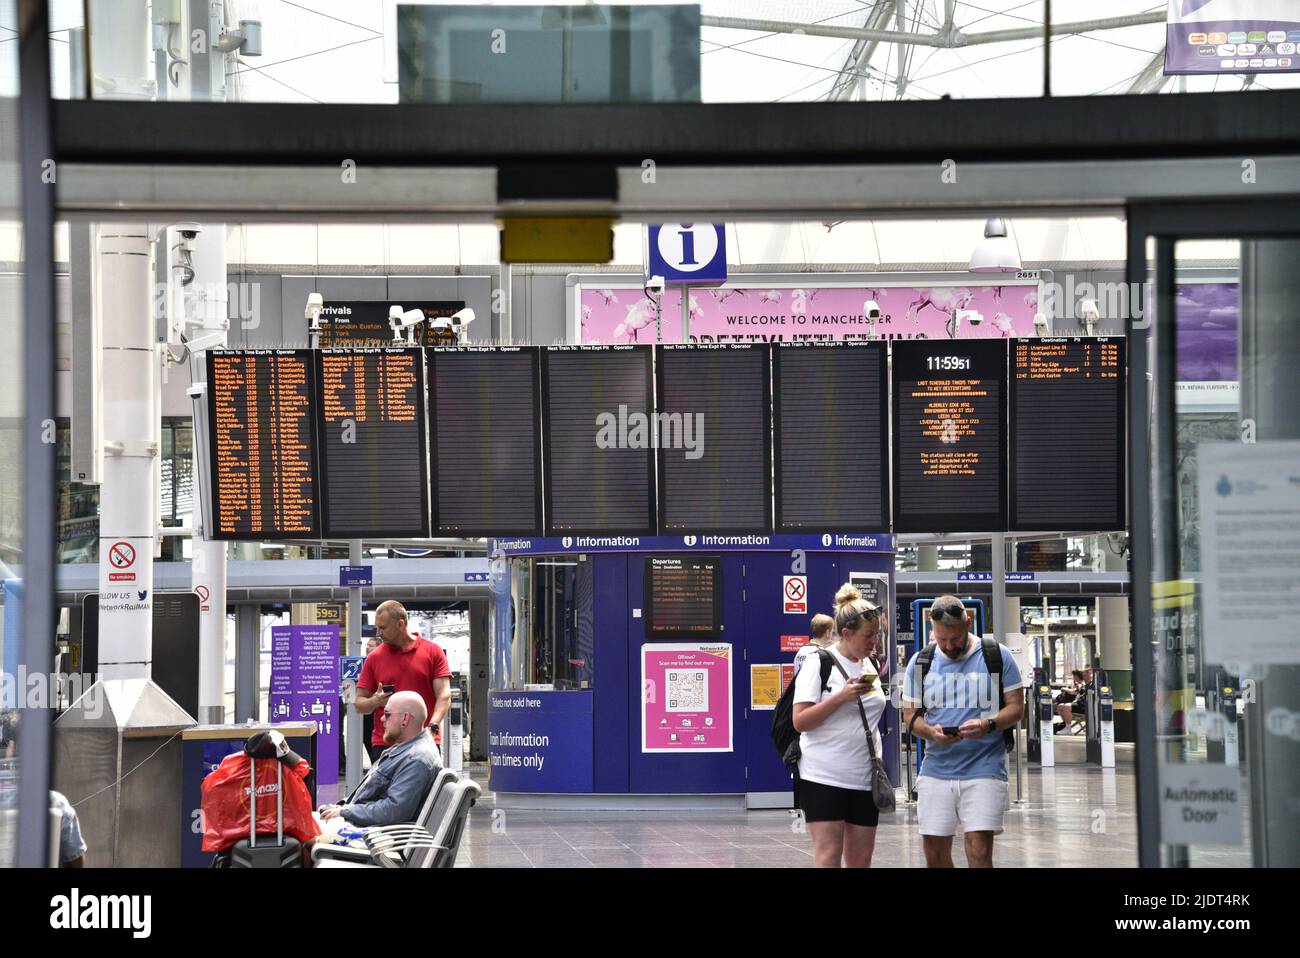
<point x="397" y="785"/>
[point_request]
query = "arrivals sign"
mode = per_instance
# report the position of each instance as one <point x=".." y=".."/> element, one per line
<point x="1232" y="36"/>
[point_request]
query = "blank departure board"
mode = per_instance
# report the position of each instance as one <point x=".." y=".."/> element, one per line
<point x="485" y="443"/>
<point x="830" y="404"/>
<point x="262" y="444"/>
<point x="949" y="440"/>
<point x="370" y="410"/>
<point x="683" y="596"/>
<point x="1067" y="434"/>
<point x="714" y="444"/>
<point x="597" y="407"/>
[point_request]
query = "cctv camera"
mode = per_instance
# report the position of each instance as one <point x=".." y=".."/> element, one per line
<point x="462" y="317"/>
<point x="1041" y="326"/>
<point x="1088" y="310"/>
<point x="972" y="317"/>
<point x="872" y="309"/>
<point x="655" y="284"/>
<point x="315" y="303"/>
<point x="189" y="230"/>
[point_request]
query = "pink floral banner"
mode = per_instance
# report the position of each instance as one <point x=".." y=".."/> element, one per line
<point x="792" y="314"/>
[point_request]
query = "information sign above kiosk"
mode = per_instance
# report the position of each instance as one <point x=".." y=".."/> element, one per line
<point x="687" y="254"/>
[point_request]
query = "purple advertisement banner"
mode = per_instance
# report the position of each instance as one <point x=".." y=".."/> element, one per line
<point x="304" y="686"/>
<point x="1232" y="36"/>
<point x="1209" y="319"/>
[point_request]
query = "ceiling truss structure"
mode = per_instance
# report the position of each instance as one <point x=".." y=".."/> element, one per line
<point x="850" y="83"/>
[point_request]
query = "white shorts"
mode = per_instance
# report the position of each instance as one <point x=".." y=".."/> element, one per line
<point x="980" y="803"/>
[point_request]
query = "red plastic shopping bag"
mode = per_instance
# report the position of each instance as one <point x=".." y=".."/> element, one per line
<point x="225" y="802"/>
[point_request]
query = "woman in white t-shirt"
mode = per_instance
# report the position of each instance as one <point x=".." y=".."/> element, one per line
<point x="834" y="770"/>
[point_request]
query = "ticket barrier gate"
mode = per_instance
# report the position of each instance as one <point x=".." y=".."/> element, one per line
<point x="1041" y="746"/>
<point x="1223" y="707"/>
<point x="1101" y="722"/>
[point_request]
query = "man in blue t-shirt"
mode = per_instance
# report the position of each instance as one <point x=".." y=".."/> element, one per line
<point x="964" y="775"/>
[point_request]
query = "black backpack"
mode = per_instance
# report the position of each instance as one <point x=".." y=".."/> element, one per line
<point x="784" y="735"/>
<point x="992" y="661"/>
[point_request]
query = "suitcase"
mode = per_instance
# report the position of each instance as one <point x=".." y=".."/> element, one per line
<point x="286" y="852"/>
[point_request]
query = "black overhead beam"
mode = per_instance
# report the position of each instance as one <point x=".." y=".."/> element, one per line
<point x="1007" y="130"/>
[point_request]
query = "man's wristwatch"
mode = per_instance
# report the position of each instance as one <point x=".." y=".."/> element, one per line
<point x="990" y="725"/>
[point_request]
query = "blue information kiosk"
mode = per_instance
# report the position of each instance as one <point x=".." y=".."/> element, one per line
<point x="640" y="671"/>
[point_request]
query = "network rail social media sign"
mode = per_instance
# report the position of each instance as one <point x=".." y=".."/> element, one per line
<point x="693" y="254"/>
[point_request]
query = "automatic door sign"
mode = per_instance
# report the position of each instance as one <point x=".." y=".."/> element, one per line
<point x="121" y="557"/>
<point x="795" y="594"/>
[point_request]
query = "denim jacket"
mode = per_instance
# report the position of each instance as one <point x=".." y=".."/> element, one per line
<point x="395" y="787"/>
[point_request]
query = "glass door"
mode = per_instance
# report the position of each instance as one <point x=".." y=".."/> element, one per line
<point x="1215" y="430"/>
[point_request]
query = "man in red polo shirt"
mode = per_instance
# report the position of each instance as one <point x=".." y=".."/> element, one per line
<point x="409" y="664"/>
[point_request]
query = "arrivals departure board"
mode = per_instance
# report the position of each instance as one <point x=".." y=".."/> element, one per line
<point x="262" y="444"/>
<point x="365" y="323"/>
<point x="598" y="418"/>
<point x="1067" y="434"/>
<point x="370" y="410"/>
<point x="683" y="596"/>
<point x="949" y="441"/>
<point x="485" y="440"/>
<point x="830" y="404"/>
<point x="714" y="444"/>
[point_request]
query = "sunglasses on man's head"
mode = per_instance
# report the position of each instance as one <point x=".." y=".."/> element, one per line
<point x="947" y="612"/>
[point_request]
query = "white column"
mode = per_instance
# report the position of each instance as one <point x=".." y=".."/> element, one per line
<point x="207" y="304"/>
<point x="128" y="507"/>
<point x="1114" y="642"/>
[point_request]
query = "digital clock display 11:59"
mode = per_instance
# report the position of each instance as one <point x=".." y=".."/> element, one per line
<point x="949" y="436"/>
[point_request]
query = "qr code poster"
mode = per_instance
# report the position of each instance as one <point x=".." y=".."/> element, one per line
<point x="687" y="690"/>
<point x="686" y="698"/>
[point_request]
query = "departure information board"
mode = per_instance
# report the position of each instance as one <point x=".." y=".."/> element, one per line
<point x="485" y="447"/>
<point x="683" y="596"/>
<point x="830" y="403"/>
<point x="714" y="444"/>
<point x="598" y="417"/>
<point x="1067" y="434"/>
<point x="365" y="323"/>
<point x="370" y="412"/>
<point x="262" y="444"/>
<point x="949" y="440"/>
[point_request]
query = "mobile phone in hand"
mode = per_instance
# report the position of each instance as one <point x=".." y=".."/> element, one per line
<point x="951" y="730"/>
<point x="388" y="689"/>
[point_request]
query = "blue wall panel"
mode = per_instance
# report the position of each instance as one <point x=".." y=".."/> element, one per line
<point x="701" y="772"/>
<point x="612" y="684"/>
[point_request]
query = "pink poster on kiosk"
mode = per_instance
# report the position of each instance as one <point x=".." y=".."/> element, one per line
<point x="686" y="697"/>
<point x="795" y="314"/>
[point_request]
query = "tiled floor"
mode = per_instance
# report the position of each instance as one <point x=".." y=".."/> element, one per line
<point x="1076" y="815"/>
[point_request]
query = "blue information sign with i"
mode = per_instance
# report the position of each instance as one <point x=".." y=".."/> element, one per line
<point x="692" y="254"/>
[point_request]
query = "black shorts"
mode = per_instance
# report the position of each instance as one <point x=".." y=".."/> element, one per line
<point x="830" y="803"/>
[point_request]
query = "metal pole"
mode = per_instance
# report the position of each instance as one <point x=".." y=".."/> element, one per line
<point x="39" y="354"/>
<point x="998" y="613"/>
<point x="686" y="314"/>
<point x="352" y="724"/>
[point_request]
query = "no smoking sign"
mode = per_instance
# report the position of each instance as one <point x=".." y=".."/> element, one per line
<point x="121" y="557"/>
<point x="794" y="594"/>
